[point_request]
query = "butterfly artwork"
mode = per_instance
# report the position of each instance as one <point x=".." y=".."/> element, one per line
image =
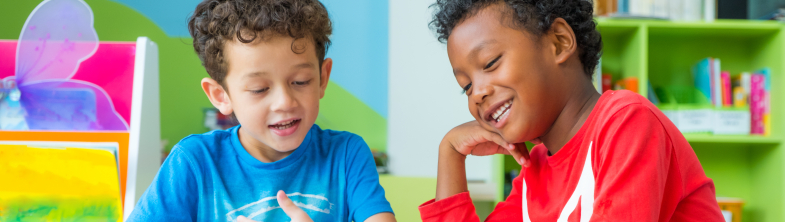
<point x="42" y="95"/>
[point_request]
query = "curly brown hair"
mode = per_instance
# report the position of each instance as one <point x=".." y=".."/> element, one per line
<point x="216" y="21"/>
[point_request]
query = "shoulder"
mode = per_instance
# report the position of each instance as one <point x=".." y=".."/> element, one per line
<point x="612" y="102"/>
<point x="335" y="139"/>
<point x="206" y="145"/>
<point x="626" y="107"/>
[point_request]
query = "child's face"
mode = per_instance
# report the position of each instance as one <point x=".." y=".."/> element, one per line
<point x="273" y="91"/>
<point x="513" y="75"/>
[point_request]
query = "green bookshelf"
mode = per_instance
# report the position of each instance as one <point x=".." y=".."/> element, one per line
<point x="662" y="52"/>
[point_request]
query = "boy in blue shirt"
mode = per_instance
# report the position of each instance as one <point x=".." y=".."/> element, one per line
<point x="266" y="60"/>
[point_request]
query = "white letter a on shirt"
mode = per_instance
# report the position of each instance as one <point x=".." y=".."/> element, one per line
<point x="584" y="192"/>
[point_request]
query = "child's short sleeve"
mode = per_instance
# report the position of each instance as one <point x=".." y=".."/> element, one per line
<point x="365" y="194"/>
<point x="173" y="194"/>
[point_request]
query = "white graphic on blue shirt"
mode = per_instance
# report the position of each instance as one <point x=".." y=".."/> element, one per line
<point x="316" y="203"/>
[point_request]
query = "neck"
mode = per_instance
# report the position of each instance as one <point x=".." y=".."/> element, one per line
<point x="259" y="150"/>
<point x="572" y="117"/>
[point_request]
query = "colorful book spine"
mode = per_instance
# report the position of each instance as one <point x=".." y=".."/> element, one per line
<point x="622" y="6"/>
<point x="607" y="82"/>
<point x="727" y="96"/>
<point x="702" y="77"/>
<point x="716" y="83"/>
<point x="631" y="84"/>
<point x="738" y="90"/>
<point x="757" y="104"/>
<point x="766" y="72"/>
<point x="739" y="98"/>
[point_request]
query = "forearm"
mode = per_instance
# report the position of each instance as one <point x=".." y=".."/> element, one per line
<point x="451" y="177"/>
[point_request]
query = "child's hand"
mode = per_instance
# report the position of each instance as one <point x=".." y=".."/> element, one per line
<point x="293" y="211"/>
<point x="471" y="138"/>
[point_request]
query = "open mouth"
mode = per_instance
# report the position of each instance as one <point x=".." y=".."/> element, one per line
<point x="501" y="111"/>
<point x="286" y="127"/>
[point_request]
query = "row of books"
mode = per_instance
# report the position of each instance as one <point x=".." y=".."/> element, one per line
<point x="742" y="90"/>
<point x="686" y="10"/>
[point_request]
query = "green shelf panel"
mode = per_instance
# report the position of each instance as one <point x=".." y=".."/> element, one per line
<point x="735" y="139"/>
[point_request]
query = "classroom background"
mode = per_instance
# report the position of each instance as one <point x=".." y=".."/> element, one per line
<point x="714" y="67"/>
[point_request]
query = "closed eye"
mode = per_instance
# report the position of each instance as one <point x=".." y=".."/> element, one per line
<point x="260" y="91"/>
<point x="490" y="64"/>
<point x="301" y="83"/>
<point x="466" y="88"/>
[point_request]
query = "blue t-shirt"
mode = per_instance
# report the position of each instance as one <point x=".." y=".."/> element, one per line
<point x="211" y="177"/>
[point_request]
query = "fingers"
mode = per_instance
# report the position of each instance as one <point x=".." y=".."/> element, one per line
<point x="524" y="159"/>
<point x="292" y="210"/>
<point x="516" y="154"/>
<point x="244" y="219"/>
<point x="536" y="141"/>
<point x="496" y="138"/>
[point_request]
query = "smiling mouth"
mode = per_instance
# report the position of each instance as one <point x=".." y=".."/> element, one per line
<point x="285" y="125"/>
<point x="501" y="111"/>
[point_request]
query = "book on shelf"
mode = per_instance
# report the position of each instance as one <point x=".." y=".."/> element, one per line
<point x="740" y="88"/>
<point x="701" y="74"/>
<point x="741" y="102"/>
<point x="716" y="83"/>
<point x="766" y="72"/>
<point x="607" y="82"/>
<point x="757" y="104"/>
<point x="727" y="97"/>
<point x="678" y="10"/>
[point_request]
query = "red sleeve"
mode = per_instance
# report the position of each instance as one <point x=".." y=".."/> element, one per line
<point x="637" y="173"/>
<point x="510" y="209"/>
<point x="455" y="208"/>
<point x="459" y="207"/>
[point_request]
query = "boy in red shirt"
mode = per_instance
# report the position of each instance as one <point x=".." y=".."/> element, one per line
<point x="526" y="68"/>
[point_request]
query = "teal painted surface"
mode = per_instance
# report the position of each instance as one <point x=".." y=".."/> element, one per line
<point x="169" y="15"/>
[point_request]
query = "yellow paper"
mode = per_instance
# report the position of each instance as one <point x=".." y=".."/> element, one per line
<point x="47" y="184"/>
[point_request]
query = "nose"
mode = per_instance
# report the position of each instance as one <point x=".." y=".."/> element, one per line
<point x="283" y="100"/>
<point x="480" y="90"/>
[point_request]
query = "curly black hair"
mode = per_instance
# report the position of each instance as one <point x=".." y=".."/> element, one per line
<point x="216" y="21"/>
<point x="535" y="16"/>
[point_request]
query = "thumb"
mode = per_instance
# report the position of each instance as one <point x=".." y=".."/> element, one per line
<point x="292" y="210"/>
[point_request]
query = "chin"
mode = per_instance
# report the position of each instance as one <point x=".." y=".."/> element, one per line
<point x="513" y="136"/>
<point x="286" y="144"/>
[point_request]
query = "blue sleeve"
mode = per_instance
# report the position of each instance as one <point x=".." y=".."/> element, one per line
<point x="366" y="195"/>
<point x="173" y="194"/>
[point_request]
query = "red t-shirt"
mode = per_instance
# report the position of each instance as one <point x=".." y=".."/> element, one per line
<point x="628" y="162"/>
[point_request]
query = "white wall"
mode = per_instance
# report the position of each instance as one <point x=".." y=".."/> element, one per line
<point x="425" y="101"/>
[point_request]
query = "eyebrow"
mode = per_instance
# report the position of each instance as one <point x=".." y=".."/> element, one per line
<point x="473" y="53"/>
<point x="305" y="65"/>
<point x="254" y="74"/>
<point x="480" y="46"/>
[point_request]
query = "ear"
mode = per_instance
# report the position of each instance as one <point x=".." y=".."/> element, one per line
<point x="324" y="78"/>
<point x="563" y="40"/>
<point x="217" y="95"/>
